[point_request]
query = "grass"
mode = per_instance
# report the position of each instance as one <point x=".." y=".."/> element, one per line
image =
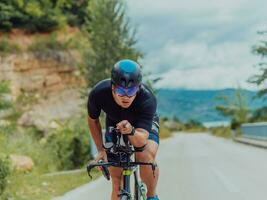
<point x="164" y="132"/>
<point x="195" y="130"/>
<point x="57" y="42"/>
<point x="224" y="132"/>
<point x="34" y="186"/>
<point x="6" y="47"/>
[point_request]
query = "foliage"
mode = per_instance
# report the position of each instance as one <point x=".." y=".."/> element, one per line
<point x="32" y="15"/>
<point x="35" y="186"/>
<point x="42" y="15"/>
<point x="76" y="12"/>
<point x="164" y="131"/>
<point x="7" y="47"/>
<point x="51" y="47"/>
<point x="110" y="36"/>
<point x="26" y="99"/>
<point x="4" y="102"/>
<point x="70" y="144"/>
<point x="4" y="172"/>
<point x="236" y="108"/>
<point x="221" y="131"/>
<point x="50" y="43"/>
<point x="193" y="124"/>
<point x="259" y="115"/>
<point x="260" y="79"/>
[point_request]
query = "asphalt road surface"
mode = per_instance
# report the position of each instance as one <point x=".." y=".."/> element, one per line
<point x="199" y="167"/>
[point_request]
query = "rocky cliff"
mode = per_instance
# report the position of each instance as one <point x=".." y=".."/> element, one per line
<point x="53" y="77"/>
<point x="44" y="74"/>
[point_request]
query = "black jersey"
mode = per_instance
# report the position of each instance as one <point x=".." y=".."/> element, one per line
<point x="140" y="113"/>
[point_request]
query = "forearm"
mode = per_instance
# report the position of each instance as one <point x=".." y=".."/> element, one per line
<point x="139" y="138"/>
<point x="96" y="132"/>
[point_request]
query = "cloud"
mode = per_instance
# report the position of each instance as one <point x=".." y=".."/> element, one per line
<point x="214" y="78"/>
<point x="186" y="38"/>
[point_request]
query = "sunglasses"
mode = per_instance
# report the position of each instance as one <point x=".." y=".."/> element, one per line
<point x="129" y="92"/>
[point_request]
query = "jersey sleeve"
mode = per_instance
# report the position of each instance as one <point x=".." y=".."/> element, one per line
<point x="145" y="117"/>
<point x="93" y="107"/>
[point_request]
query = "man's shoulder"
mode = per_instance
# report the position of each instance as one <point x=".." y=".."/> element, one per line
<point x="101" y="88"/>
<point x="146" y="96"/>
<point x="146" y="92"/>
<point x="102" y="85"/>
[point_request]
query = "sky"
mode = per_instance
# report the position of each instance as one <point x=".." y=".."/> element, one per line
<point x="204" y="44"/>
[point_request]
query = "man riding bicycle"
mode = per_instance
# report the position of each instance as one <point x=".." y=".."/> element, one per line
<point x="131" y="108"/>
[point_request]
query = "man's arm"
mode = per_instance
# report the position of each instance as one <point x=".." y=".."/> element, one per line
<point x="96" y="132"/>
<point x="139" y="139"/>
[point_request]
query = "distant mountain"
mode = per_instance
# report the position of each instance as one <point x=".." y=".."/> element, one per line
<point x="198" y="104"/>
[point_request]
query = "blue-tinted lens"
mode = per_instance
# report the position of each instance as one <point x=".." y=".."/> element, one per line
<point x="131" y="91"/>
<point x="120" y="91"/>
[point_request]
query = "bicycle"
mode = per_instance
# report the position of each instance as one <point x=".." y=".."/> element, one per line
<point x="129" y="166"/>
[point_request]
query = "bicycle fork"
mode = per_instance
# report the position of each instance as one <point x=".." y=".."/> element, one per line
<point x="125" y="193"/>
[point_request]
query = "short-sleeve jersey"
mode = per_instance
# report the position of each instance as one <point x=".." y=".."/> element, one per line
<point x="140" y="113"/>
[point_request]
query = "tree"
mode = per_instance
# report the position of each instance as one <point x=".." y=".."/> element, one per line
<point x="41" y="15"/>
<point x="260" y="79"/>
<point x="76" y="11"/>
<point x="111" y="38"/>
<point x="236" y="108"/>
<point x="259" y="115"/>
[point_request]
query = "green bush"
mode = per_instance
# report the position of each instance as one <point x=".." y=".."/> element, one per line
<point x="41" y="15"/>
<point x="222" y="131"/>
<point x="32" y="15"/>
<point x="47" y="44"/>
<point x="4" y="90"/>
<point x="164" y="132"/>
<point x="6" y="47"/>
<point x="70" y="145"/>
<point x="4" y="172"/>
<point x="76" y="12"/>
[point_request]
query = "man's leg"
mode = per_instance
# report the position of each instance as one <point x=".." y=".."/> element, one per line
<point x="115" y="174"/>
<point x="146" y="173"/>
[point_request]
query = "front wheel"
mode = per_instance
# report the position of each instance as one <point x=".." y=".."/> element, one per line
<point x="125" y="198"/>
<point x="140" y="191"/>
<point x="140" y="188"/>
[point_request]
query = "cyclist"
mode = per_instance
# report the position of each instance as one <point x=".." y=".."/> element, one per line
<point x="130" y="107"/>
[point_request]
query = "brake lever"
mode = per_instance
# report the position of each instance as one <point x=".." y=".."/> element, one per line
<point x="89" y="168"/>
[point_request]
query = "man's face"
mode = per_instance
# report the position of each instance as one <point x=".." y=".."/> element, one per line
<point x="122" y="100"/>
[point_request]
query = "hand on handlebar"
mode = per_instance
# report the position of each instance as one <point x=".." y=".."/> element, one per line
<point x="101" y="155"/>
<point x="124" y="127"/>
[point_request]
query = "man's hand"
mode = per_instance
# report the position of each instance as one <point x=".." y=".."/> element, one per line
<point x="124" y="127"/>
<point x="101" y="155"/>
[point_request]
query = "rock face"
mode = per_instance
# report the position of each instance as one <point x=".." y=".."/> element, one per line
<point x="21" y="163"/>
<point x="59" y="106"/>
<point x="31" y="72"/>
<point x="53" y="77"/>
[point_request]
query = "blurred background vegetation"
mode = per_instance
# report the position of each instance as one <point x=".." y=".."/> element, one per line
<point x="89" y="36"/>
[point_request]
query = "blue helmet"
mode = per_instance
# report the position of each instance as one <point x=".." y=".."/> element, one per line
<point x="126" y="73"/>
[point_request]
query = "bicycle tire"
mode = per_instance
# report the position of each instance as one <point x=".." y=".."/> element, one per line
<point x="125" y="198"/>
<point x="140" y="189"/>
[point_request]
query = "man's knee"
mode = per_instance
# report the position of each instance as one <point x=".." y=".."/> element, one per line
<point x="146" y="156"/>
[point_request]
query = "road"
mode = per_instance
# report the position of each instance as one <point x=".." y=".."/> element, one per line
<point x="199" y="167"/>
